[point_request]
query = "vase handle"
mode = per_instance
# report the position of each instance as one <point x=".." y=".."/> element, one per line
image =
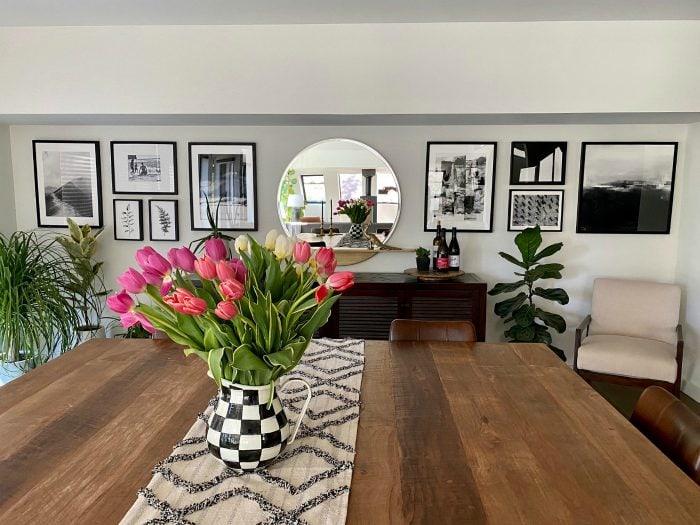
<point x="306" y="404"/>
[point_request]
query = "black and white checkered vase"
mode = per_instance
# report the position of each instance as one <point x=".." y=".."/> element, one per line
<point x="243" y="432"/>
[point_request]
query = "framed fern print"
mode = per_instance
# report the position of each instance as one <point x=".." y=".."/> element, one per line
<point x="128" y="225"/>
<point x="162" y="220"/>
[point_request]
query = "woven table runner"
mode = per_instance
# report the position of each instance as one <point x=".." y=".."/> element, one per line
<point x="310" y="482"/>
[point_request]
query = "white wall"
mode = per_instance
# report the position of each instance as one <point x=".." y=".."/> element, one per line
<point x="7" y="194"/>
<point x="404" y="147"/>
<point x="688" y="261"/>
<point x="458" y="68"/>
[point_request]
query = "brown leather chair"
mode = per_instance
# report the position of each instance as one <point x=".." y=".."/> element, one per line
<point x="412" y="330"/>
<point x="671" y="426"/>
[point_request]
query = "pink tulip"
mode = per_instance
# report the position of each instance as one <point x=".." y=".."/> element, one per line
<point x="321" y="293"/>
<point x="185" y="302"/>
<point x="121" y="302"/>
<point x="132" y="281"/>
<point x="226" y="310"/>
<point x="325" y="261"/>
<point x="143" y="254"/>
<point x="132" y="318"/>
<point x="225" y="271"/>
<point x="156" y="268"/>
<point x="182" y="258"/>
<point x="216" y="249"/>
<point x="341" y="281"/>
<point x="302" y="252"/>
<point x="241" y="270"/>
<point x="232" y="290"/>
<point x="205" y="268"/>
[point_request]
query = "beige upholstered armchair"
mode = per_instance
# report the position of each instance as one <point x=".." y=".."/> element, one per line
<point x="632" y="336"/>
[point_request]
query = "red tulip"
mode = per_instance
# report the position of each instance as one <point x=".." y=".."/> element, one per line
<point x="226" y="310"/>
<point x="341" y="281"/>
<point x="325" y="261"/>
<point x="121" y="302"/>
<point x="205" y="268"/>
<point x="216" y="249"/>
<point x="302" y="252"/>
<point x="132" y="281"/>
<point x="182" y="258"/>
<point x="321" y="293"/>
<point x="185" y="302"/>
<point x="225" y="272"/>
<point x="232" y="290"/>
<point x="132" y="318"/>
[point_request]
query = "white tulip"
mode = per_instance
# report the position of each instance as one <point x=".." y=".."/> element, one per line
<point x="283" y="247"/>
<point x="241" y="244"/>
<point x="270" y="239"/>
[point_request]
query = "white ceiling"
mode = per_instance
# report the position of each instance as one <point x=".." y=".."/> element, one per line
<point x="215" y="12"/>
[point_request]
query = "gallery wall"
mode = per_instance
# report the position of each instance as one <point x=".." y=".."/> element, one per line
<point x="404" y="147"/>
<point x="356" y="69"/>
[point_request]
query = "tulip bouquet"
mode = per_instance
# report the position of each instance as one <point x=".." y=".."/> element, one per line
<point x="250" y="317"/>
<point x="356" y="209"/>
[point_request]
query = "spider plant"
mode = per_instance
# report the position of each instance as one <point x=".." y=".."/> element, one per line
<point x="37" y="317"/>
<point x="216" y="233"/>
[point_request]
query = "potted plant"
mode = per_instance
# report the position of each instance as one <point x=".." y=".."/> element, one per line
<point x="213" y="219"/>
<point x="85" y="282"/>
<point x="531" y="323"/>
<point x="37" y="318"/>
<point x="357" y="210"/>
<point x="251" y="318"/>
<point x="422" y="260"/>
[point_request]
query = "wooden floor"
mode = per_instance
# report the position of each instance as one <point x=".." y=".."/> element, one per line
<point x="623" y="398"/>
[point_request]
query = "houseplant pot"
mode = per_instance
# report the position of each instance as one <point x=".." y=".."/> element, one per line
<point x="251" y="318"/>
<point x="422" y="260"/>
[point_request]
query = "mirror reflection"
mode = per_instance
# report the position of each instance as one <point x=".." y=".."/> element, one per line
<point x="345" y="172"/>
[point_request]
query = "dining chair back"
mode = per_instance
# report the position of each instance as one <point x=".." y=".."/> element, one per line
<point x="415" y="330"/>
<point x="671" y="426"/>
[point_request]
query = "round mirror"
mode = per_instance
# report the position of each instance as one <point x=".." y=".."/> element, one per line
<point x="345" y="172"/>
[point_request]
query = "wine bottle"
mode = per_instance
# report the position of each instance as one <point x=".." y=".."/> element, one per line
<point x="443" y="253"/>
<point x="436" y="244"/>
<point x="454" y="261"/>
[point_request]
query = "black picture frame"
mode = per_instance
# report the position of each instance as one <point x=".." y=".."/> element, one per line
<point x="529" y="154"/>
<point x="238" y="207"/>
<point x="53" y="210"/>
<point x="124" y="229"/>
<point x="121" y="185"/>
<point x="166" y="232"/>
<point x="434" y="211"/>
<point x="612" y="203"/>
<point x="539" y="217"/>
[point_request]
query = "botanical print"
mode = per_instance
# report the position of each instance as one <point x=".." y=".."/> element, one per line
<point x="127" y="220"/>
<point x="163" y="220"/>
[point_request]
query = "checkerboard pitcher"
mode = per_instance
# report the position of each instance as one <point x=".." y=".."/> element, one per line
<point x="250" y="313"/>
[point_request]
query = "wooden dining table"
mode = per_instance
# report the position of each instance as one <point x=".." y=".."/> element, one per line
<point x="448" y="433"/>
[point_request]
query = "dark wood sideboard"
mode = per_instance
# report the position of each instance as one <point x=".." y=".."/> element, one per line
<point x="366" y="310"/>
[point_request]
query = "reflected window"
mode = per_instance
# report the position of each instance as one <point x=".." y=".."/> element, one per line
<point x="350" y="185"/>
<point x="314" y="188"/>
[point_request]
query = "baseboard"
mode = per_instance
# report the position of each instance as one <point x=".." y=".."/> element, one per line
<point x="692" y="390"/>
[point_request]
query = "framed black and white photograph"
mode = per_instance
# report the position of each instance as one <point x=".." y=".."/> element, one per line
<point x="459" y="185"/>
<point x="67" y="182"/>
<point x="537" y="163"/>
<point x="223" y="179"/>
<point x="626" y="187"/>
<point x="162" y="220"/>
<point x="530" y="208"/>
<point x="144" y="167"/>
<point x="128" y="225"/>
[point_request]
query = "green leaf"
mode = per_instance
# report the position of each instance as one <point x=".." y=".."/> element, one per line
<point x="549" y="250"/>
<point x="210" y="340"/>
<point x="508" y="257"/>
<point x="319" y="317"/>
<point x="504" y="308"/>
<point x="75" y="231"/>
<point x="523" y="334"/>
<point x="559" y="352"/>
<point x="552" y="294"/>
<point x="542" y="335"/>
<point x="545" y="271"/>
<point x="245" y="359"/>
<point x="283" y="358"/>
<point x="214" y="360"/>
<point x="199" y="353"/>
<point x="527" y="242"/>
<point x="525" y="315"/>
<point x="505" y="287"/>
<point x="552" y="320"/>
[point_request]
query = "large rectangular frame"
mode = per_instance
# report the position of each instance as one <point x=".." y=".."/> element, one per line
<point x="481" y="195"/>
<point x="69" y="146"/>
<point x="247" y="149"/>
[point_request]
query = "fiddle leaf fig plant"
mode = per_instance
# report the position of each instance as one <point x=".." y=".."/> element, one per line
<point x="530" y="323"/>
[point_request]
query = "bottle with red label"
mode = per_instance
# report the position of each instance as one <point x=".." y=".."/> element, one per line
<point x="443" y="253"/>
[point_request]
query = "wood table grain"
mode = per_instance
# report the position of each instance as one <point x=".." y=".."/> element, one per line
<point x="448" y="433"/>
